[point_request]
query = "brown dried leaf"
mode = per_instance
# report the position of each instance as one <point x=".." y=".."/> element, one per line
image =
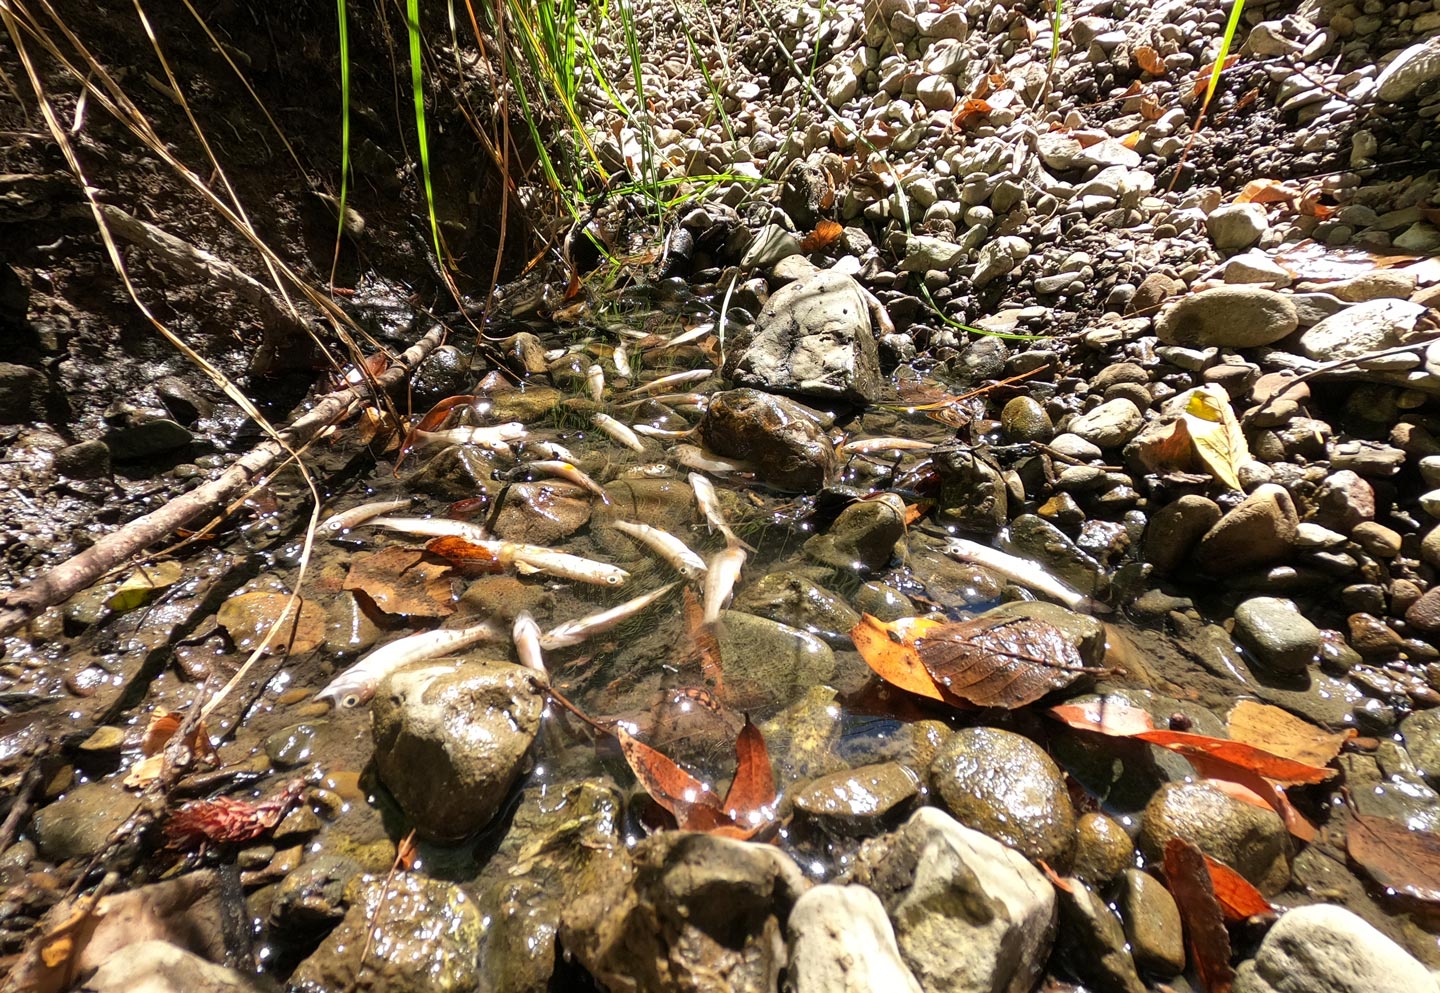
<point x="1149" y="60"/>
<point x="1267" y="191"/>
<point x="1001" y="664"/>
<point x="248" y="618"/>
<point x="750" y="800"/>
<point x="1395" y="855"/>
<point x="826" y="233"/>
<point x="403" y="581"/>
<point x="692" y="803"/>
<point x="1171" y="452"/>
<point x="1281" y="733"/>
<point x="1205" y="936"/>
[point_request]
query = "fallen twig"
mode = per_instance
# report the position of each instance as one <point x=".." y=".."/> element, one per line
<point x="20" y="606"/>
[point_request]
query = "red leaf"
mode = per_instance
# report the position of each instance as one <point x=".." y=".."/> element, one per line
<point x="693" y="804"/>
<point x="227" y="820"/>
<point x="888" y="649"/>
<point x="751" y="796"/>
<point x="1238" y="899"/>
<point x="1205" y="935"/>
<point x="1236" y="753"/>
<point x="826" y="233"/>
<point x="465" y="555"/>
<point x="1105" y="716"/>
<point x="1395" y="856"/>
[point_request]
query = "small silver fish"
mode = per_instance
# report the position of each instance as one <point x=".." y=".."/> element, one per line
<point x="574" y="632"/>
<point x="355" y="516"/>
<point x="439" y="527"/>
<point x="495" y="436"/>
<point x="550" y="450"/>
<point x="620" y="432"/>
<point x="533" y="558"/>
<point x="526" y="634"/>
<point x="621" y="358"/>
<point x="698" y="400"/>
<point x="672" y="380"/>
<point x="595" y="381"/>
<point x="868" y="446"/>
<point x="357" y="684"/>
<point x="694" y="457"/>
<point x="720" y="580"/>
<point x="566" y="471"/>
<point x="654" y="432"/>
<point x="709" y="503"/>
<point x="670" y="548"/>
<point x="1021" y="571"/>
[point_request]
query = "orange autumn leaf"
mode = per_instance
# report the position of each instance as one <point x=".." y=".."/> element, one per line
<point x="1225" y="752"/>
<point x="403" y="581"/>
<point x="1395" y="855"/>
<point x="826" y="233"/>
<point x="748" y="805"/>
<point x="970" y="110"/>
<point x="465" y="555"/>
<point x="1202" y="80"/>
<point x="1267" y="191"/>
<point x="1205" y="936"/>
<point x="1149" y="60"/>
<point x="1131" y="140"/>
<point x="1239" y="900"/>
<point x="685" y="797"/>
<point x="1282" y="733"/>
<point x="751" y="798"/>
<point x="895" y="661"/>
<point x="1105" y="716"/>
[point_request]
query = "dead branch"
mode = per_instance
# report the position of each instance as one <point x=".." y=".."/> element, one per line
<point x="18" y="607"/>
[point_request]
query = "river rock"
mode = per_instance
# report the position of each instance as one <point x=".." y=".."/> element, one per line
<point x="79" y="824"/>
<point x="459" y="472"/>
<point x="146" y="435"/>
<point x="1152" y="923"/>
<point x="160" y="967"/>
<point x="695" y="912"/>
<point x="924" y="253"/>
<point x="1102" y="849"/>
<point x="542" y="512"/>
<point x="1175" y="528"/>
<point x="1007" y="786"/>
<point x="1249" y="839"/>
<point x="450" y="740"/>
<point x="1092" y="941"/>
<point x="973" y="495"/>
<point x="861" y="800"/>
<point x="1234" y="227"/>
<point x="1259" y="531"/>
<point x="23" y="393"/>
<point x="1228" y="317"/>
<point x="779" y="434"/>
<point x="862" y="537"/>
<point x="1421" y="734"/>
<point x="1328" y="949"/>
<point x="316" y="895"/>
<point x="813" y="338"/>
<point x="1109" y="425"/>
<point x="1278" y="635"/>
<point x="1362" y="328"/>
<point x="970" y="915"/>
<point x="768" y="663"/>
<point x="1408" y="71"/>
<point x="425" y="938"/>
<point x="1023" y="419"/>
<point x="1033" y="537"/>
<point x="842" y="942"/>
<point x="794" y="600"/>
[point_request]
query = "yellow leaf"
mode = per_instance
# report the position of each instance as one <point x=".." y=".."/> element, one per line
<point x="140" y="586"/>
<point x="1216" y="434"/>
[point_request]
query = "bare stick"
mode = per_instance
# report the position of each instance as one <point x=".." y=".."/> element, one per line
<point x="22" y="605"/>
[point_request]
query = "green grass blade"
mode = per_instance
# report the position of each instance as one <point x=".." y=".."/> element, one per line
<point x="1225" y="42"/>
<point x="344" y="131"/>
<point x="417" y="85"/>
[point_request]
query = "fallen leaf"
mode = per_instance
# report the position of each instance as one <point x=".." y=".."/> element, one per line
<point x="751" y="798"/>
<point x="1149" y="60"/>
<point x="158" y="733"/>
<point x="1009" y="663"/>
<point x="466" y="556"/>
<point x="1216" y="434"/>
<point x="1395" y="855"/>
<point x="704" y="647"/>
<point x="226" y="820"/>
<point x="1202" y="80"/>
<point x="403" y="581"/>
<point x="1104" y="716"/>
<point x="1205" y="936"/>
<point x="1058" y="881"/>
<point x="1225" y="752"/>
<point x="826" y="233"/>
<point x="1239" y="900"/>
<point x="970" y="110"/>
<point x="1131" y="140"/>
<point x="1170" y="452"/>
<point x="692" y="803"/>
<point x="250" y="616"/>
<point x="1282" y="733"/>
<point x="141" y="586"/>
<point x="1267" y="191"/>
<point x="888" y="649"/>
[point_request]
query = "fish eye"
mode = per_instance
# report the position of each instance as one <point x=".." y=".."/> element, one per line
<point x="350" y="700"/>
<point x="612" y="580"/>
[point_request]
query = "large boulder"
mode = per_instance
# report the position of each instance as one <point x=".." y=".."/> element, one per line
<point x="813" y="338"/>
<point x="1326" y="949"/>
<point x="781" y="435"/>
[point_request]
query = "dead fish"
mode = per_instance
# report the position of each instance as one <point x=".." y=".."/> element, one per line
<point x="620" y="432"/>
<point x="356" y="685"/>
<point x="698" y="400"/>
<point x="566" y="471"/>
<point x="654" y="432"/>
<point x="709" y="503"/>
<point x="439" y="527"/>
<point x="621" y="358"/>
<point x="526" y="634"/>
<point x="595" y="382"/>
<point x="720" y="580"/>
<point x="355" y="516"/>
<point x="574" y="632"/>
<point x="694" y="334"/>
<point x="549" y="450"/>
<point x="869" y="446"/>
<point x="495" y="436"/>
<point x="670" y="548"/>
<point x="672" y="380"/>
<point x="1021" y="571"/>
<point x="693" y="457"/>
<point x="533" y="558"/>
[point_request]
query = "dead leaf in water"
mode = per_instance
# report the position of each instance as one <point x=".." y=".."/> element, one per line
<point x="1006" y="663"/>
<point x="1239" y="899"/>
<point x="1216" y="434"/>
<point x="889" y="650"/>
<point x="466" y="556"/>
<point x="751" y="798"/>
<point x="248" y="618"/>
<point x="826" y="233"/>
<point x="403" y="581"/>
<point x="1205" y="936"/>
<point x="1282" y="733"/>
<point x="1395" y="856"/>
<point x="142" y="585"/>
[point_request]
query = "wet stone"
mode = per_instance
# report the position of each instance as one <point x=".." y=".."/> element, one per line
<point x="766" y="662"/>
<point x="862" y="537"/>
<point x="1260" y="531"/>
<point x="527" y="405"/>
<point x="973" y="495"/>
<point x="1250" y="840"/>
<point x="348" y="626"/>
<point x="882" y="602"/>
<point x="315" y="895"/>
<point x="80" y="823"/>
<point x="541" y="513"/>
<point x="1176" y="528"/>
<point x="429" y="931"/>
<point x="1278" y="635"/>
<point x="1330" y="949"/>
<point x="292" y="746"/>
<point x="1102" y="849"/>
<point x="796" y="601"/>
<point x="147" y="437"/>
<point x="23" y="393"/>
<point x="1023" y="419"/>
<point x="775" y="432"/>
<point x="1092" y="941"/>
<point x="1005" y="785"/>
<point x="450" y="740"/>
<point x="1152" y="924"/>
<point x="1421" y="734"/>
<point x="842" y="942"/>
<point x="85" y="460"/>
<point x="1034" y="537"/>
<point x="458" y="472"/>
<point x="862" y="800"/>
